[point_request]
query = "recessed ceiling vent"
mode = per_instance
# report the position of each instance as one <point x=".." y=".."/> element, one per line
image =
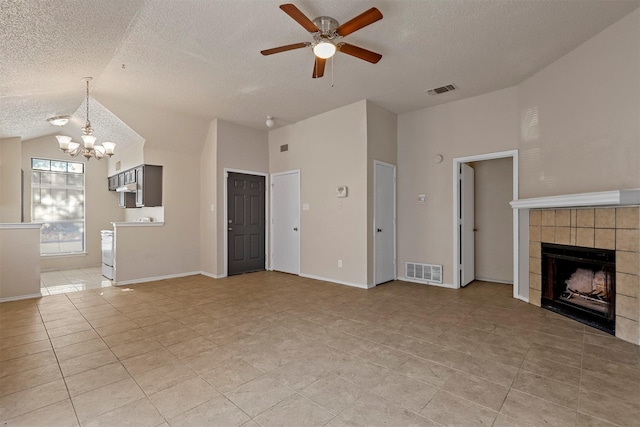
<point x="443" y="89"/>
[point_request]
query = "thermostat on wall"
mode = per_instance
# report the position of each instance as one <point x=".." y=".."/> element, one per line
<point x="341" y="191"/>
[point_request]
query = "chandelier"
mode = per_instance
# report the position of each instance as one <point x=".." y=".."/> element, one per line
<point x="88" y="148"/>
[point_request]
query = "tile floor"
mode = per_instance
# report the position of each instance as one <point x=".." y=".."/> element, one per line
<point x="59" y="282"/>
<point x="271" y="349"/>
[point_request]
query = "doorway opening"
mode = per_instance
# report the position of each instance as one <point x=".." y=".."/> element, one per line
<point x="463" y="240"/>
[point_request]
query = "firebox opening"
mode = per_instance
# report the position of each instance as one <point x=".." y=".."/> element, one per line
<point x="580" y="283"/>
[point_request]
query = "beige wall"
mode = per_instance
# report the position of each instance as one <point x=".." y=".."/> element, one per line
<point x="580" y="117"/>
<point x="382" y="145"/>
<point x="19" y="261"/>
<point x="101" y="205"/>
<point x="161" y="129"/>
<point x="238" y="148"/>
<point x="472" y="126"/>
<point x="173" y="141"/>
<point x="10" y="164"/>
<point x="330" y="150"/>
<point x="209" y="203"/>
<point x="587" y="109"/>
<point x="173" y="249"/>
<point x="125" y="158"/>
<point x="494" y="220"/>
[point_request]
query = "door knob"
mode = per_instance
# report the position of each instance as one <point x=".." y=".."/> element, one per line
<point x="295" y="228"/>
<point x="230" y="229"/>
<point x="379" y="230"/>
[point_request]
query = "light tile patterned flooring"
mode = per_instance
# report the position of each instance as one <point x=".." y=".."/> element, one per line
<point x="270" y="349"/>
<point x="59" y="282"/>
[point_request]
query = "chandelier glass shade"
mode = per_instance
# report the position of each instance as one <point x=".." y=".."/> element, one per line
<point x="88" y="148"/>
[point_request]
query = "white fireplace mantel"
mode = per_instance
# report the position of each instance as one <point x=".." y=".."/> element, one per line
<point x="603" y="198"/>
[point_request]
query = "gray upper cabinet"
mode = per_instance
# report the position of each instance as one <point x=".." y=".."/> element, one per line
<point x="148" y="184"/>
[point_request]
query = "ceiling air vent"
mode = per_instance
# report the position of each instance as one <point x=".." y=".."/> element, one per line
<point x="443" y="89"/>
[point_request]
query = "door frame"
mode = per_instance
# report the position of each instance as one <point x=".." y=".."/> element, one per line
<point x="226" y="216"/>
<point x="297" y="172"/>
<point x="395" y="215"/>
<point x="456" y="213"/>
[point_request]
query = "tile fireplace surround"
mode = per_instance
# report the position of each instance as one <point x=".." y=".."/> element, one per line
<point x="614" y="228"/>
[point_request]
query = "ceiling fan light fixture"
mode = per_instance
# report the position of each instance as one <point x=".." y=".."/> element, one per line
<point x="324" y="49"/>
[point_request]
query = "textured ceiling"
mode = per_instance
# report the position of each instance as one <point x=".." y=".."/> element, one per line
<point x="202" y="57"/>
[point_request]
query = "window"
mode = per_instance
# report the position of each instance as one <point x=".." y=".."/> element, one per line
<point x="57" y="201"/>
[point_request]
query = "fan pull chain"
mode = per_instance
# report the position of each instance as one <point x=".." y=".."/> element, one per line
<point x="332" y="70"/>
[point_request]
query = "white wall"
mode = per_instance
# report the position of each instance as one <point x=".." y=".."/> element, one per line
<point x="10" y="164"/>
<point x="330" y="150"/>
<point x="494" y="220"/>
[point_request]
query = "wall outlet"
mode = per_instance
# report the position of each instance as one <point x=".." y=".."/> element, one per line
<point x="340" y="263"/>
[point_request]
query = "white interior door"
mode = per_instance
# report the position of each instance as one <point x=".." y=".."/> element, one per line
<point x="385" y="223"/>
<point x="467" y="225"/>
<point x="285" y="222"/>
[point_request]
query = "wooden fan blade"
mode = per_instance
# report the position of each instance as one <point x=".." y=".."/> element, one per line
<point x="359" y="53"/>
<point x="369" y="17"/>
<point x="284" y="48"/>
<point x="318" y="67"/>
<point x="299" y="17"/>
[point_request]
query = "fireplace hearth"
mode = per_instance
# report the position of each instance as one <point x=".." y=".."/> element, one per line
<point x="579" y="283"/>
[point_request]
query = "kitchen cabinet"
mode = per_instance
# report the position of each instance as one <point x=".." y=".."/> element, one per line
<point x="130" y="177"/>
<point x="113" y="183"/>
<point x="148" y="185"/>
<point x="126" y="199"/>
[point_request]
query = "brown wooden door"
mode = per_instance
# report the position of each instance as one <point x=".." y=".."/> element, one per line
<point x="246" y="223"/>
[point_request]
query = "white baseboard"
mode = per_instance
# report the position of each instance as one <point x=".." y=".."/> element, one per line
<point x="506" y="282"/>
<point x="425" y="282"/>
<point x="20" y="297"/>
<point x="340" y="282"/>
<point x="521" y="298"/>
<point x="153" y="279"/>
<point x="213" y="276"/>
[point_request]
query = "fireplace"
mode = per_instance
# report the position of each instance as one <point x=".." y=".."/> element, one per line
<point x="579" y="282"/>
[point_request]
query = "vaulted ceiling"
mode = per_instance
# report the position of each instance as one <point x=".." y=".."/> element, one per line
<point x="203" y="57"/>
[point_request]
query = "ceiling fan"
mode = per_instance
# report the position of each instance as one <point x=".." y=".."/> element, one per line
<point x="327" y="35"/>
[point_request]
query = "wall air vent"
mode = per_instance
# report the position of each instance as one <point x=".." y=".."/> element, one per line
<point x="443" y="89"/>
<point x="284" y="147"/>
<point x="423" y="272"/>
